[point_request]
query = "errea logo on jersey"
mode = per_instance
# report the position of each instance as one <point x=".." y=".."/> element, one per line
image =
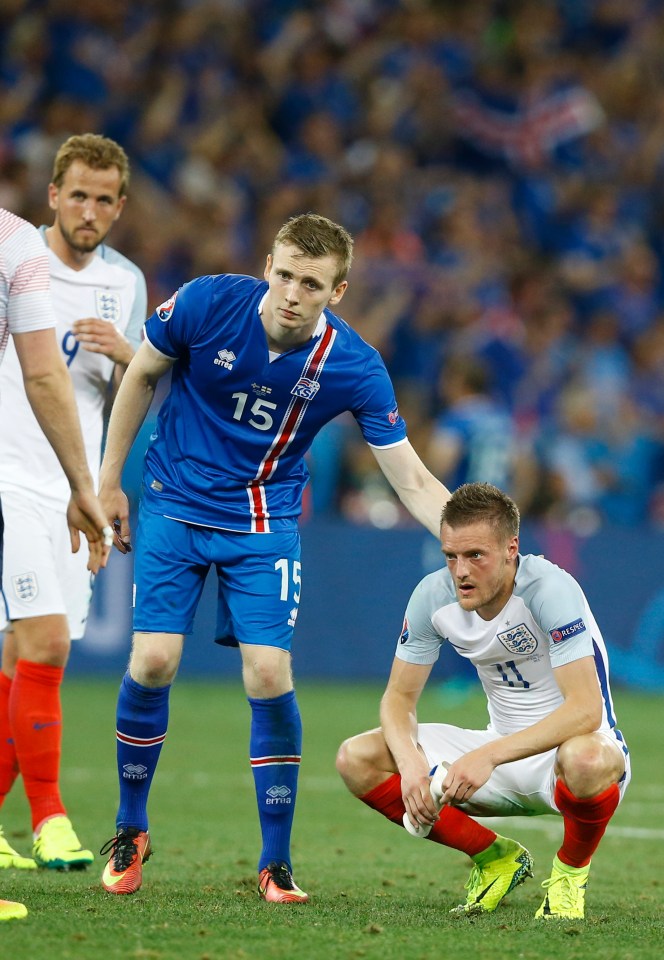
<point x="225" y="359"/>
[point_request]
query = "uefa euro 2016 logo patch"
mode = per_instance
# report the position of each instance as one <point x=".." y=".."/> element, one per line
<point x="165" y="310"/>
<point x="569" y="630"/>
<point x="519" y="640"/>
<point x="405" y="631"/>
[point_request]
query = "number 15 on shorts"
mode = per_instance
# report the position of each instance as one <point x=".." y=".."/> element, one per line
<point x="290" y="576"/>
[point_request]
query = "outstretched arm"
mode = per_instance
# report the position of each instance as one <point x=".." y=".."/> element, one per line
<point x="129" y="411"/>
<point x="50" y="391"/>
<point x="417" y="488"/>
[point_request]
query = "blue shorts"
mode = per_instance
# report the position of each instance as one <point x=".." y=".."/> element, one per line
<point x="258" y="577"/>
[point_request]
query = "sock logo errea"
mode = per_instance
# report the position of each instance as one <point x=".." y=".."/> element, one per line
<point x="134" y="771"/>
<point x="277" y="794"/>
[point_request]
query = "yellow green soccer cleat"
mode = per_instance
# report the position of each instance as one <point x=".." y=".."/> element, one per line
<point x="565" y="893"/>
<point x="10" y="858"/>
<point x="10" y="910"/>
<point x="488" y="884"/>
<point x="57" y="847"/>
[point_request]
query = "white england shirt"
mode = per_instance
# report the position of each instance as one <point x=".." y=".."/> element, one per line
<point x="25" y="304"/>
<point x="110" y="288"/>
<point x="546" y="623"/>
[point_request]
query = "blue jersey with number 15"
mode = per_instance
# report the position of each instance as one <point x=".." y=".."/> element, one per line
<point x="231" y="435"/>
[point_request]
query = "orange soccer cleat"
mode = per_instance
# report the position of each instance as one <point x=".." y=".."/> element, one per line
<point x="129" y="850"/>
<point x="276" y="885"/>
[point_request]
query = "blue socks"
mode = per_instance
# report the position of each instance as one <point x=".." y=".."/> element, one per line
<point x="275" y="749"/>
<point x="275" y="752"/>
<point x="142" y="720"/>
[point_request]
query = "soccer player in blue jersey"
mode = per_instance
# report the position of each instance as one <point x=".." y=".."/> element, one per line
<point x="552" y="744"/>
<point x="258" y="367"/>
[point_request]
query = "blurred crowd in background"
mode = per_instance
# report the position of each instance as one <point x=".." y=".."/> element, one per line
<point x="500" y="165"/>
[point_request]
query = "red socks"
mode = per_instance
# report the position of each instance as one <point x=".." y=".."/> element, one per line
<point x="8" y="762"/>
<point x="585" y="822"/>
<point x="35" y="717"/>
<point x="454" y="828"/>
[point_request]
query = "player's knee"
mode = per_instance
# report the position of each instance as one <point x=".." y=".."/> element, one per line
<point x="356" y="765"/>
<point x="266" y="671"/>
<point x="153" y="667"/>
<point x="50" y="648"/>
<point x="588" y="765"/>
<point x="345" y="760"/>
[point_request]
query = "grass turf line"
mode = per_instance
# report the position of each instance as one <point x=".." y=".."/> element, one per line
<point x="376" y="893"/>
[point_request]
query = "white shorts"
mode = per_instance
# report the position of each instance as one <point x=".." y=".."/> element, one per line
<point x="521" y="788"/>
<point x="40" y="574"/>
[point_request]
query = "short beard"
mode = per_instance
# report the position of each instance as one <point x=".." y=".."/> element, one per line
<point x="86" y="246"/>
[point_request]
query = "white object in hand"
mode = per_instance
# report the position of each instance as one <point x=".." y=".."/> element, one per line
<point x="423" y="830"/>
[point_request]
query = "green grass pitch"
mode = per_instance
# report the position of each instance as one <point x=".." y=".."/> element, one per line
<point x="375" y="892"/>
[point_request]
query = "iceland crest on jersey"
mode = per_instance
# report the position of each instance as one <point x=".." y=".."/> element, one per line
<point x="518" y="640"/>
<point x="305" y="388"/>
<point x="108" y="305"/>
<point x="165" y="310"/>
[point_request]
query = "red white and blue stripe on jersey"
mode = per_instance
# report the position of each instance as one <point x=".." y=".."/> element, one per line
<point x="260" y="517"/>
<point x="232" y="433"/>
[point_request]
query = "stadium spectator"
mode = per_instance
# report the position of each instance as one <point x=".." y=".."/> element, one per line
<point x="473" y="437"/>
<point x="516" y="139"/>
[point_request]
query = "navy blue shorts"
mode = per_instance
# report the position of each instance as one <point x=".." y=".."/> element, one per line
<point x="258" y="577"/>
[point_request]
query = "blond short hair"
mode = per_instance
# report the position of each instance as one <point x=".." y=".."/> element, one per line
<point x="96" y="152"/>
<point x="316" y="236"/>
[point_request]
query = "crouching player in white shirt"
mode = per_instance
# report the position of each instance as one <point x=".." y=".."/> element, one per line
<point x="100" y="304"/>
<point x="552" y="745"/>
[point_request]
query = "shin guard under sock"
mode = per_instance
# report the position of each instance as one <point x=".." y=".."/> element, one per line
<point x="454" y="828"/>
<point x="275" y="750"/>
<point x="142" y="721"/>
<point x="585" y="822"/>
<point x="35" y="715"/>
